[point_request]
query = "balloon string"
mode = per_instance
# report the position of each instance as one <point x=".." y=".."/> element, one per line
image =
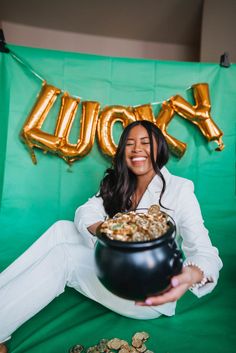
<point x="17" y="58"/>
<point x="156" y="103"/>
<point x="78" y="97"/>
<point x="160" y="102"/>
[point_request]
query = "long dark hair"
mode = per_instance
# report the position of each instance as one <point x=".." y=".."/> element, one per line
<point x="119" y="183"/>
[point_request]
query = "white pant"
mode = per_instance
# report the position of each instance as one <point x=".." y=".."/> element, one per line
<point x="58" y="258"/>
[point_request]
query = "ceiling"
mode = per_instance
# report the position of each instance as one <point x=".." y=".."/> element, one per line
<point x="166" y="21"/>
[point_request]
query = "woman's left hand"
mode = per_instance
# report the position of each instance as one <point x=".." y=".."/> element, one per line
<point x="179" y="285"/>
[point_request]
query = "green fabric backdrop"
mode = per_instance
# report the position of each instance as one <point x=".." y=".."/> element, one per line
<point x="33" y="197"/>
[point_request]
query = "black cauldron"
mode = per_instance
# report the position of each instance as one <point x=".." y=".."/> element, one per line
<point x="137" y="270"/>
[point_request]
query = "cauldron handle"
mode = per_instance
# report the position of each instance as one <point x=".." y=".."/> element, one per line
<point x="176" y="262"/>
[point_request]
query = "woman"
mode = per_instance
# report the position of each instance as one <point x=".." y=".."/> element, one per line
<point x="64" y="254"/>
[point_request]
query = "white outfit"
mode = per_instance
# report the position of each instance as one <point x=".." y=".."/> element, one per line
<point x="63" y="255"/>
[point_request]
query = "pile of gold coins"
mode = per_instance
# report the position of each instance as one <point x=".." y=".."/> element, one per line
<point x="117" y="345"/>
<point x="134" y="226"/>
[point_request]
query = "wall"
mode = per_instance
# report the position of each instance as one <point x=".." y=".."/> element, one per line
<point x="82" y="43"/>
<point x="217" y="36"/>
<point x="218" y="30"/>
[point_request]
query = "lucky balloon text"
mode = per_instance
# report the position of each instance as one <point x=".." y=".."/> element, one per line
<point x="94" y="121"/>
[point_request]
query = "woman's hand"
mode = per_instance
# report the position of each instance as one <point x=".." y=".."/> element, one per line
<point x="93" y="228"/>
<point x="179" y="285"/>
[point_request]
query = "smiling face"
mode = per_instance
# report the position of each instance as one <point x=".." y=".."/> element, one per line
<point x="137" y="152"/>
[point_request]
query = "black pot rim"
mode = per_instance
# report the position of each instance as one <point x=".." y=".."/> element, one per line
<point x="170" y="234"/>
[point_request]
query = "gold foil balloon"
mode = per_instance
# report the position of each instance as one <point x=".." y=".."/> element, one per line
<point x="31" y="133"/>
<point x="72" y="152"/>
<point x="108" y="117"/>
<point x="58" y="143"/>
<point x="52" y="143"/>
<point x="69" y="106"/>
<point x="144" y="112"/>
<point x="164" y="117"/>
<point x="199" y="114"/>
<point x="166" y="114"/>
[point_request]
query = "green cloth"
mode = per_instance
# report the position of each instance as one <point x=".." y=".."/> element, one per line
<point x="33" y="197"/>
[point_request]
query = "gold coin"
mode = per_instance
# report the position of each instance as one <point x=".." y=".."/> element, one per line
<point x="124" y="344"/>
<point x="133" y="226"/>
<point x="124" y="350"/>
<point x="114" y="343"/>
<point x="93" y="350"/>
<point x="136" y="342"/>
<point x="76" y="349"/>
<point x="154" y="210"/>
<point x="142" y="348"/>
<point x="141" y="335"/>
<point x="133" y="350"/>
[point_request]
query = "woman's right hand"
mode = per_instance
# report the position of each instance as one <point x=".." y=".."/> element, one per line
<point x="93" y="228"/>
